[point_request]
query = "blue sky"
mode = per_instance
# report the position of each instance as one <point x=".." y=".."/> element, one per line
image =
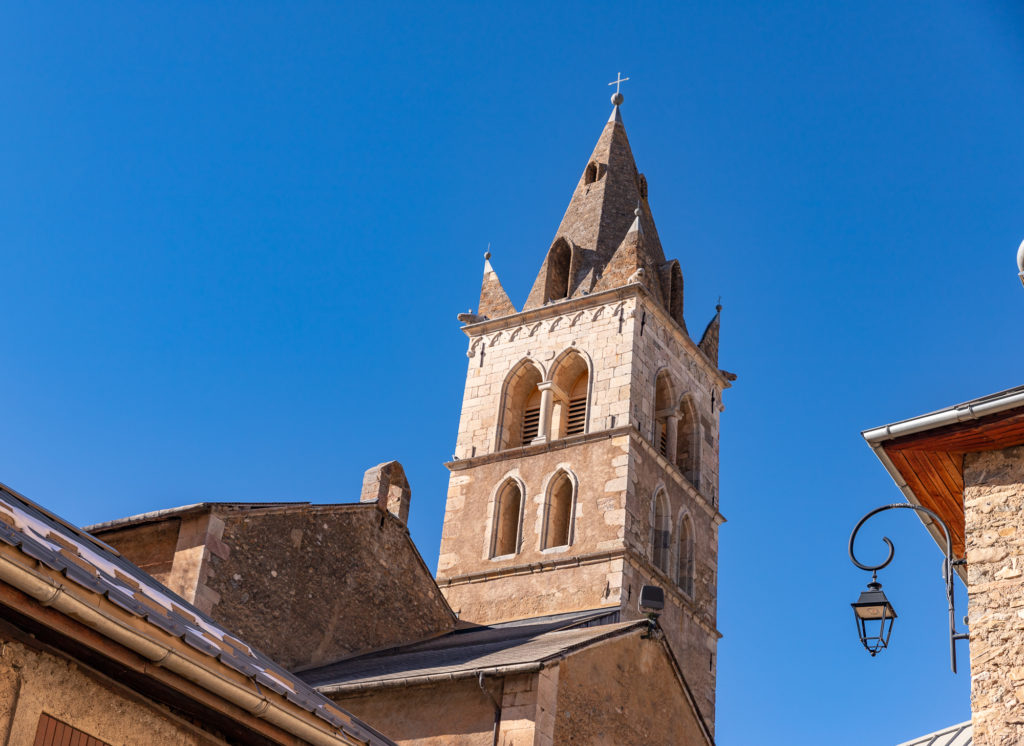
<point x="234" y="238"/>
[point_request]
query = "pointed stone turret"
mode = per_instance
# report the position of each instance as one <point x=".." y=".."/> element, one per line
<point x="494" y="301"/>
<point x="709" y="342"/>
<point x="630" y="263"/>
<point x="598" y="217"/>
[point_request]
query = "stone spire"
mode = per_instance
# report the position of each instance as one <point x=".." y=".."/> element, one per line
<point x="598" y="217"/>
<point x="709" y="342"/>
<point x="494" y="301"/>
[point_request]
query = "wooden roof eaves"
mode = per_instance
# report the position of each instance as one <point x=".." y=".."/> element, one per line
<point x="901" y="483"/>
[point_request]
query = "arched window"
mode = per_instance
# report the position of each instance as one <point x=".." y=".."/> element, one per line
<point x="507" y="515"/>
<point x="675" y="292"/>
<point x="559" y="511"/>
<point x="684" y="555"/>
<point x="661" y="532"/>
<point x="571" y="376"/>
<point x="520" y="416"/>
<point x="688" y="441"/>
<point x="556" y="285"/>
<point x="663" y="409"/>
<point x="590" y="175"/>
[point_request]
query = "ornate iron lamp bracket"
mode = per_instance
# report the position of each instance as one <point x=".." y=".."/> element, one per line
<point x="947" y="566"/>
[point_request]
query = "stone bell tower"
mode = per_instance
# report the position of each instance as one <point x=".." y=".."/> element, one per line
<point x="587" y="457"/>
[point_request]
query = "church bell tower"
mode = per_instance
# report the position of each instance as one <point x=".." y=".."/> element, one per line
<point x="586" y="464"/>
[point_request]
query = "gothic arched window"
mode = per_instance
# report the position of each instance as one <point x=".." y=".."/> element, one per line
<point x="684" y="555"/>
<point x="688" y="441"/>
<point x="507" y="517"/>
<point x="590" y="175"/>
<point x="571" y="377"/>
<point x="675" y="292"/>
<point x="559" y="512"/>
<point x="520" y="416"/>
<point x="663" y="409"/>
<point x="557" y="280"/>
<point x="661" y="532"/>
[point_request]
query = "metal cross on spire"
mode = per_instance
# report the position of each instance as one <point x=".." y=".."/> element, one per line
<point x="617" y="97"/>
<point x="619" y="81"/>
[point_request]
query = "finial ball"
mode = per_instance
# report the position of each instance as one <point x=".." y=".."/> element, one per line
<point x="617" y="98"/>
<point x="487" y="255"/>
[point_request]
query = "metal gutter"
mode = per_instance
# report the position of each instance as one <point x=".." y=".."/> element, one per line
<point x="966" y="412"/>
<point x="972" y="410"/>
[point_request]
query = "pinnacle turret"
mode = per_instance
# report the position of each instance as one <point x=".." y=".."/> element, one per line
<point x="494" y="301"/>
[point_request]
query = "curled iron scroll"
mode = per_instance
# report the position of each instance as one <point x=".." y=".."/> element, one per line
<point x="892" y="550"/>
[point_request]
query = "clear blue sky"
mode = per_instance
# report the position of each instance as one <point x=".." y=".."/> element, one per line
<point x="234" y="238"/>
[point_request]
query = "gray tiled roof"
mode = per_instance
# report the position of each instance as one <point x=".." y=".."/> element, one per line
<point x="468" y="652"/>
<point x="955" y="735"/>
<point x="91" y="564"/>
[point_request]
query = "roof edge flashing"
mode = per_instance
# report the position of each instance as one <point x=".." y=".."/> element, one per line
<point x="965" y="412"/>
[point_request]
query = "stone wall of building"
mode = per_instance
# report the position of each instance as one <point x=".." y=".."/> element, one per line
<point x="452" y="713"/>
<point x="528" y="587"/>
<point x="619" y="467"/>
<point x="33" y="682"/>
<point x="639" y="699"/>
<point x="994" y="513"/>
<point x="663" y="346"/>
<point x="312" y="584"/>
<point x="600" y="332"/>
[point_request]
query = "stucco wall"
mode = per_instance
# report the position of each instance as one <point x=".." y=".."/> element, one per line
<point x="994" y="513"/>
<point x="638" y="700"/>
<point x="33" y="682"/>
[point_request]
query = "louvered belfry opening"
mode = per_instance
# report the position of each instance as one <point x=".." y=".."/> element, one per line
<point x="571" y="376"/>
<point x="577" y="416"/>
<point x="531" y="424"/>
<point x="520" y="417"/>
<point x="663" y="409"/>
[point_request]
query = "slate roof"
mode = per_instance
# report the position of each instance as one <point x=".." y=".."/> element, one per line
<point x="955" y="735"/>
<point x="89" y="563"/>
<point x="520" y="645"/>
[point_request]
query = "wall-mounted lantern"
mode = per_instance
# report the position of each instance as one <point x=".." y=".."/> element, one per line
<point x="875" y="615"/>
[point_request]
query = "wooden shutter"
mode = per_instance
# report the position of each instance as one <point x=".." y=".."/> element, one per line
<point x="577" y="416"/>
<point x="52" y="732"/>
<point x="531" y="425"/>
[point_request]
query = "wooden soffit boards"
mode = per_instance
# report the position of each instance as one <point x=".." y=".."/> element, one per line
<point x="932" y="462"/>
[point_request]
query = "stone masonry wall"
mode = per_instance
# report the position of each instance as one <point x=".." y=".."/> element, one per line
<point x="597" y="528"/>
<point x="994" y="513"/>
<point x="601" y="333"/>
<point x="635" y="677"/>
<point x="453" y="713"/>
<point x="629" y="342"/>
<point x="316" y="583"/>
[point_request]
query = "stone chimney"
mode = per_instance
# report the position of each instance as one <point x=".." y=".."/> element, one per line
<point x="386" y="485"/>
